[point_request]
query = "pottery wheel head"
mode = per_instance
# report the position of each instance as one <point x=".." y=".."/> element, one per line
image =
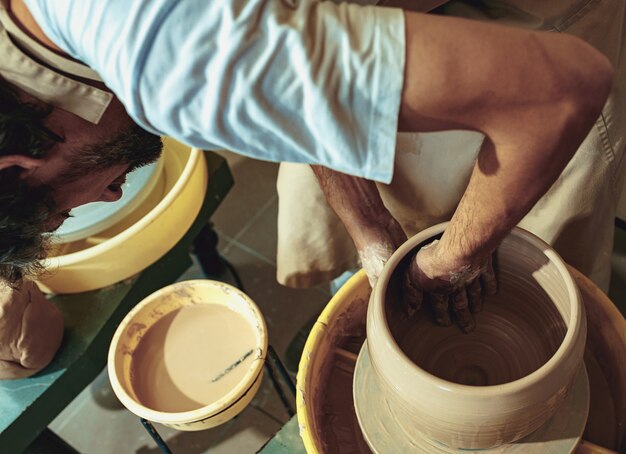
<point x="561" y="434"/>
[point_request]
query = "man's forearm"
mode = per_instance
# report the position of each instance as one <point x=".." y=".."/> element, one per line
<point x="357" y="203"/>
<point x="534" y="96"/>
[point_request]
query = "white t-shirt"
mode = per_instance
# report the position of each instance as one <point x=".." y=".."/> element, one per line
<point x="279" y="80"/>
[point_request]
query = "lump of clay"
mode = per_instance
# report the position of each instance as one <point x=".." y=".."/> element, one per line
<point x="31" y="329"/>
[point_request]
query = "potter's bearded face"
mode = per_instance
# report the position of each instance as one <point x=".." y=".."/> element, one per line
<point x="62" y="163"/>
<point x="96" y="172"/>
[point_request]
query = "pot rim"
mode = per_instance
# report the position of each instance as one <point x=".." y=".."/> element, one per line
<point x="566" y="349"/>
<point x="203" y="413"/>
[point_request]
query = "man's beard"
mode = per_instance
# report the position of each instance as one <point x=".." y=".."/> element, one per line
<point x="24" y="221"/>
<point x="132" y="146"/>
<point x="28" y="215"/>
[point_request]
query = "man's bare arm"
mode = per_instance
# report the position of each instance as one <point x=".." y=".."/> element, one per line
<point x="374" y="231"/>
<point x="534" y="95"/>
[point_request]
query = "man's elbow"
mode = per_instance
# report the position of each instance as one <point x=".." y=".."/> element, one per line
<point x="579" y="92"/>
<point x="592" y="80"/>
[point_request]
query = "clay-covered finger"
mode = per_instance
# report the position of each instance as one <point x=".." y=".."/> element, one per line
<point x="488" y="279"/>
<point x="475" y="296"/>
<point x="411" y="295"/>
<point x="462" y="314"/>
<point x="412" y="299"/>
<point x="439" y="305"/>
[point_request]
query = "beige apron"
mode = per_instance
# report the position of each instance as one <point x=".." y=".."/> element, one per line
<point x="431" y="170"/>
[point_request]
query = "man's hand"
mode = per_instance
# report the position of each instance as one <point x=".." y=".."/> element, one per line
<point x="434" y="275"/>
<point x="375" y="232"/>
<point x="448" y="289"/>
<point x="376" y="245"/>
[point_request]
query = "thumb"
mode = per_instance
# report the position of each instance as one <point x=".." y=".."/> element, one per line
<point x="373" y="258"/>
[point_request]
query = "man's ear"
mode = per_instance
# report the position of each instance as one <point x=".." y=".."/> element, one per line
<point x="25" y="162"/>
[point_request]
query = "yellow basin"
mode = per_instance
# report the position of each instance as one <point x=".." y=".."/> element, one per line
<point x="144" y="324"/>
<point x="142" y="237"/>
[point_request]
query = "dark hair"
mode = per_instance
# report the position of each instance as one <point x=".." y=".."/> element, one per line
<point x="23" y="211"/>
<point x="21" y="125"/>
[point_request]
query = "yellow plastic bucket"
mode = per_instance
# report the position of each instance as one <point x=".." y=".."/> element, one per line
<point x="141" y="238"/>
<point x="333" y="332"/>
<point x="125" y="364"/>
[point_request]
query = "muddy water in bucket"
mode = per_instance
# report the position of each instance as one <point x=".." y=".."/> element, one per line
<point x="192" y="357"/>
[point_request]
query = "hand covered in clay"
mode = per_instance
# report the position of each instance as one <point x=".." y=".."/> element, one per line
<point x="377" y="234"/>
<point x="458" y="291"/>
<point x="379" y="247"/>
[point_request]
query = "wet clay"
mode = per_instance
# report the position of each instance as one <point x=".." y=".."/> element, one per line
<point x="192" y="357"/>
<point x="338" y="428"/>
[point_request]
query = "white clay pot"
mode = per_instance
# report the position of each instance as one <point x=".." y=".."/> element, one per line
<point x="497" y="384"/>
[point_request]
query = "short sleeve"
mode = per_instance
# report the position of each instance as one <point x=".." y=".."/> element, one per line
<point x="298" y="81"/>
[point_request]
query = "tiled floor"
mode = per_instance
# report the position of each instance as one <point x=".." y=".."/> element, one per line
<point x="246" y="223"/>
